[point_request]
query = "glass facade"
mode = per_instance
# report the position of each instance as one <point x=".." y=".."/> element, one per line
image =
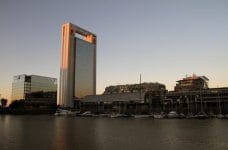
<point x="19" y="87"/>
<point x="24" y="86"/>
<point x="84" y="68"/>
<point x="43" y="84"/>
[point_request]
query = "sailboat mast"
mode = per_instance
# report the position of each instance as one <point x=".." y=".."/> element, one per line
<point x="140" y="84"/>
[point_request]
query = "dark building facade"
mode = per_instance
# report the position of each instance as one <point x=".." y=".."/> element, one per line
<point x="131" y="88"/>
<point x="130" y="98"/>
<point x="211" y="100"/>
<point x="192" y="95"/>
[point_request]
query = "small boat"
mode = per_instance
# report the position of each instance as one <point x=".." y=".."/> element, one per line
<point x="159" y="116"/>
<point x="104" y="115"/>
<point x="65" y="112"/>
<point x="94" y="115"/>
<point x="190" y="116"/>
<point x="201" y="115"/>
<point x="116" y="115"/>
<point x="86" y="114"/>
<point x="127" y="115"/>
<point x="220" y="116"/>
<point x="212" y="115"/>
<point x="142" y="116"/>
<point x="173" y="114"/>
<point x="181" y="116"/>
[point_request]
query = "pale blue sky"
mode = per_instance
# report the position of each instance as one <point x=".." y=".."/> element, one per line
<point x="162" y="39"/>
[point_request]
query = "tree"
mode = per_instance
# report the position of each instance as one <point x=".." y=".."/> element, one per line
<point x="17" y="104"/>
<point x="3" y="102"/>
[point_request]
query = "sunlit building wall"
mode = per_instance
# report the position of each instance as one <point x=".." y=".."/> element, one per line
<point x="77" y="66"/>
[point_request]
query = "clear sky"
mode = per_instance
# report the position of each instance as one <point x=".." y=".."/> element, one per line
<point x="162" y="39"/>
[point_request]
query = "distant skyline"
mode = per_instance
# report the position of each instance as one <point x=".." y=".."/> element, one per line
<point x="161" y="39"/>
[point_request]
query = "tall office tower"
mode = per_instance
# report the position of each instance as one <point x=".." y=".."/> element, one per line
<point x="78" y="65"/>
<point x="33" y="86"/>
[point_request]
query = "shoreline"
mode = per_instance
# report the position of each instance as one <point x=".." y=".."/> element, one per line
<point x="39" y="111"/>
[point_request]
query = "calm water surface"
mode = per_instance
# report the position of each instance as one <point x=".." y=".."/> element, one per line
<point x="60" y="133"/>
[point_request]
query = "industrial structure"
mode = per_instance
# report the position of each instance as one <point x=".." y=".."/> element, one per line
<point x="78" y="65"/>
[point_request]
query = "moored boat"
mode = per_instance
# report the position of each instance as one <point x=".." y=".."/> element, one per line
<point x="142" y="116"/>
<point x="212" y="115"/>
<point x="220" y="116"/>
<point x="159" y="116"/>
<point x="201" y="115"/>
<point x="190" y="116"/>
<point x="172" y="115"/>
<point x="116" y="115"/>
<point x="181" y="116"/>
<point x="65" y="112"/>
<point x="86" y="114"/>
<point x="104" y="115"/>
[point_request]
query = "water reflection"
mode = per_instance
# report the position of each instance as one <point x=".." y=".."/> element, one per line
<point x="71" y="133"/>
<point x="59" y="133"/>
